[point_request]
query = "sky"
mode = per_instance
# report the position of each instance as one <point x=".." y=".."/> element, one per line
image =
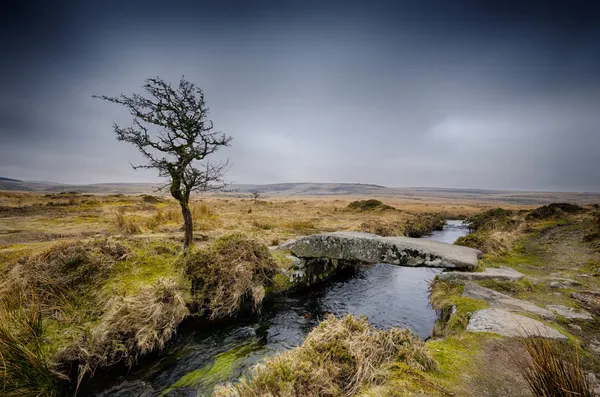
<point x="464" y="94"/>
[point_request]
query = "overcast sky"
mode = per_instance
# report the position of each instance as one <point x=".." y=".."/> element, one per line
<point x="446" y="94"/>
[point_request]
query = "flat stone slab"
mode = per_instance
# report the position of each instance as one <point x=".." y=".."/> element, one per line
<point x="370" y="248"/>
<point x="569" y="313"/>
<point x="509" y="324"/>
<point x="563" y="283"/>
<point x="501" y="273"/>
<point x="501" y="301"/>
<point x="589" y="298"/>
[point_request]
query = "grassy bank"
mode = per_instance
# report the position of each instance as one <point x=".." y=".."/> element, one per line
<point x="552" y="246"/>
<point x="88" y="281"/>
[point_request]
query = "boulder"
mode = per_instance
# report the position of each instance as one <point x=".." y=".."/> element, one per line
<point x="589" y="298"/>
<point x="356" y="247"/>
<point x="509" y="324"/>
<point x="502" y="301"/>
<point x="569" y="313"/>
<point x="563" y="283"/>
<point x="502" y="273"/>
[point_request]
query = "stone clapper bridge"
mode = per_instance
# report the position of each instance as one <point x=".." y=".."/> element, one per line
<point x="318" y="257"/>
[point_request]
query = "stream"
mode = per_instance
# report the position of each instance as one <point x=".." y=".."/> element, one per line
<point x="199" y="357"/>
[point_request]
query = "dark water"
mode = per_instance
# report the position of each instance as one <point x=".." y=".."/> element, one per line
<point x="201" y="357"/>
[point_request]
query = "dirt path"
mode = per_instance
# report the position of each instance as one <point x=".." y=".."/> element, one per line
<point x="556" y="253"/>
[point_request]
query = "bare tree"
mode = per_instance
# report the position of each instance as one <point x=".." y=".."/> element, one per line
<point x="171" y="130"/>
<point x="255" y="194"/>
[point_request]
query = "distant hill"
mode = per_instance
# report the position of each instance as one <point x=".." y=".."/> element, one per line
<point x="9" y="179"/>
<point x="308" y="189"/>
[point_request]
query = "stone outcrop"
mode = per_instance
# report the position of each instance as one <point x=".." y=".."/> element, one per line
<point x="365" y="248"/>
<point x="501" y="273"/>
<point x="569" y="313"/>
<point x="502" y="301"/>
<point x="509" y="324"/>
<point x="563" y="283"/>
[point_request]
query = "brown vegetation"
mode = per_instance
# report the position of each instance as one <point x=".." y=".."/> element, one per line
<point x="338" y="358"/>
<point x="234" y="268"/>
<point x="553" y="369"/>
<point x="105" y="276"/>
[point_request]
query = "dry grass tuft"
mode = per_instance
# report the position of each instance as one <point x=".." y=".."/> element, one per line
<point x="553" y="369"/>
<point x="338" y="358"/>
<point x="130" y="326"/>
<point x="25" y="366"/>
<point x="382" y="228"/>
<point x="66" y="271"/>
<point x="127" y="223"/>
<point x="223" y="276"/>
<point x="300" y="225"/>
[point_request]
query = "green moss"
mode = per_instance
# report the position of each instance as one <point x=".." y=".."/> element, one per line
<point x="281" y="257"/>
<point x="456" y="354"/>
<point x="443" y="296"/>
<point x="406" y="381"/>
<point x="218" y="371"/>
<point x="281" y="283"/>
<point x="148" y="262"/>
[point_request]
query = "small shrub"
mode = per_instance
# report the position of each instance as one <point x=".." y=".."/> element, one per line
<point x="593" y="234"/>
<point x="127" y="223"/>
<point x="381" y="228"/>
<point x="494" y="219"/>
<point x="148" y="198"/>
<point x="338" y="358"/>
<point x="234" y="270"/>
<point x="554" y="369"/>
<point x="299" y="225"/>
<point x="262" y="224"/>
<point x="553" y="210"/>
<point x="422" y="224"/>
<point x="369" y="205"/>
<point x="485" y="241"/>
<point x="200" y="210"/>
<point x="91" y="203"/>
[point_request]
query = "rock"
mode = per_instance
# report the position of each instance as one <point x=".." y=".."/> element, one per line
<point x="182" y="392"/>
<point x="594" y="346"/>
<point x="589" y="298"/>
<point x="502" y="301"/>
<point x="569" y="313"/>
<point x="504" y="323"/>
<point x="563" y="283"/>
<point x="137" y="388"/>
<point x="574" y="327"/>
<point x="286" y="245"/>
<point x="502" y="273"/>
<point x="356" y="247"/>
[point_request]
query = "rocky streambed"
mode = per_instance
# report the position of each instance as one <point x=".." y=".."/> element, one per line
<point x="201" y="355"/>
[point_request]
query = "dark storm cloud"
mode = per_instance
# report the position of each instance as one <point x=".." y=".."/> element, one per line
<point x="455" y="94"/>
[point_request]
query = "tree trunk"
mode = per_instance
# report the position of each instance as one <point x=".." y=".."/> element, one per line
<point x="188" y="227"/>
